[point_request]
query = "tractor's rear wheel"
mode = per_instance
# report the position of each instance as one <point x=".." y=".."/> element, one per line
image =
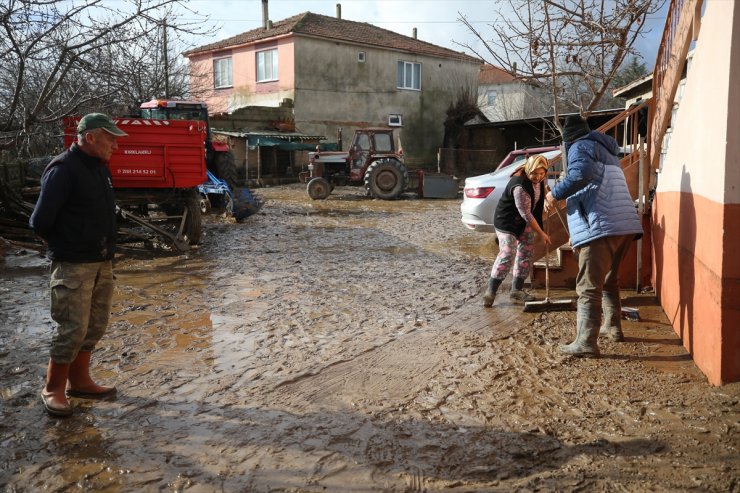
<point x="193" y="229"/>
<point x="386" y="179"/>
<point x="319" y="188"/>
<point x="225" y="166"/>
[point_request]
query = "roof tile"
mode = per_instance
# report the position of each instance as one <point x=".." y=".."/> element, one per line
<point x="322" y="26"/>
<point x="490" y="74"/>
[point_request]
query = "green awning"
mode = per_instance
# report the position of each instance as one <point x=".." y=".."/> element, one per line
<point x="286" y="144"/>
<point x="284" y="141"/>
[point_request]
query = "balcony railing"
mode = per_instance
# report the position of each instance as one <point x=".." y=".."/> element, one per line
<point x="681" y="27"/>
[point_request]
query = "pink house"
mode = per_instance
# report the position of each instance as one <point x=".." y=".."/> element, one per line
<point x="337" y="74"/>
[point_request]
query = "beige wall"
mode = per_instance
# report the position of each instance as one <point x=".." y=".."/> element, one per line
<point x="697" y="204"/>
<point x="334" y="90"/>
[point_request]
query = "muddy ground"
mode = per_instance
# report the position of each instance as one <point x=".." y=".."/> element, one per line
<point x="340" y="346"/>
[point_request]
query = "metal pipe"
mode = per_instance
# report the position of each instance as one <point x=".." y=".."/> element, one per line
<point x="640" y="206"/>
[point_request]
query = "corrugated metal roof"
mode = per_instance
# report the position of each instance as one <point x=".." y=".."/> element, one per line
<point x="274" y="135"/>
<point x="322" y="26"/>
<point x="539" y="119"/>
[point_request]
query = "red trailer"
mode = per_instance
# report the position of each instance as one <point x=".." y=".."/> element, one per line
<point x="156" y="170"/>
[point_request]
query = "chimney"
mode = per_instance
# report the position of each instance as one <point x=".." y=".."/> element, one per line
<point x="414" y="33"/>
<point x="339" y="11"/>
<point x="265" y="15"/>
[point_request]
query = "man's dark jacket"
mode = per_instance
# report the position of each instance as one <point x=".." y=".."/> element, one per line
<point x="76" y="212"/>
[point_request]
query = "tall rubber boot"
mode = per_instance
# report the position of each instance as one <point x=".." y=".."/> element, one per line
<point x="517" y="290"/>
<point x="611" y="328"/>
<point x="586" y="340"/>
<point x="80" y="382"/>
<point x="490" y="294"/>
<point x="55" y="402"/>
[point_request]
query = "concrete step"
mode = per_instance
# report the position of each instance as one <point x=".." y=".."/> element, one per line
<point x="563" y="267"/>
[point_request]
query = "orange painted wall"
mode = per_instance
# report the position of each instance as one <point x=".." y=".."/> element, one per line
<point x="697" y="280"/>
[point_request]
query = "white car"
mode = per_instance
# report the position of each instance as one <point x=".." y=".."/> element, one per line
<point x="482" y="193"/>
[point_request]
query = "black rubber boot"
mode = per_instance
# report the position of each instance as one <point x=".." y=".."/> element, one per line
<point x="586" y="340"/>
<point x="611" y="327"/>
<point x="490" y="293"/>
<point x="517" y="290"/>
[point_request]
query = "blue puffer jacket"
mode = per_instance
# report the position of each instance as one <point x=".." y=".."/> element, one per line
<point x="599" y="203"/>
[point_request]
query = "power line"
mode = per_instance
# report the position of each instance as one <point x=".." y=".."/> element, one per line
<point x="499" y="21"/>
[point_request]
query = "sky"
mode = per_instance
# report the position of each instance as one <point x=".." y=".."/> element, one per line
<point x="436" y="21"/>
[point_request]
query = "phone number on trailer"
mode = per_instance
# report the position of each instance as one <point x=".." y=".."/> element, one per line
<point x="136" y="172"/>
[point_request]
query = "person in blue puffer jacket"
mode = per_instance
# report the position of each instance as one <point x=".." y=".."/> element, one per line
<point x="603" y="222"/>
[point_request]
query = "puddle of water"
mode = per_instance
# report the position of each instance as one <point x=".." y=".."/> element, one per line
<point x="478" y="245"/>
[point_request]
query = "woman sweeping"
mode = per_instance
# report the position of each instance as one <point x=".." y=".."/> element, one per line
<point x="518" y="216"/>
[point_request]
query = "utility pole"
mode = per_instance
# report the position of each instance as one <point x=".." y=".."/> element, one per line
<point x="166" y="61"/>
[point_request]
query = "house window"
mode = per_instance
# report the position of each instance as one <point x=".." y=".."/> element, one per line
<point x="267" y="65"/>
<point x="361" y="57"/>
<point x="491" y="98"/>
<point x="409" y="75"/>
<point x="222" y="72"/>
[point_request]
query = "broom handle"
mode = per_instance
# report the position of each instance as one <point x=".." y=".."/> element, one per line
<point x="547" y="261"/>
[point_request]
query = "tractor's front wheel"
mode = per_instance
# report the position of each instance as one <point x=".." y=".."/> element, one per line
<point x="319" y="188"/>
<point x="386" y="179"/>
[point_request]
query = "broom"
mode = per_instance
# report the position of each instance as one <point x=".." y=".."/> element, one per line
<point x="548" y="305"/>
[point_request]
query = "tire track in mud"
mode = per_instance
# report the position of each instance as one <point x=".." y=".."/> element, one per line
<point x="399" y="369"/>
<point x="333" y="311"/>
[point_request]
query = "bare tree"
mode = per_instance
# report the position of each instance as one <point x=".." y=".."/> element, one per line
<point x="574" y="48"/>
<point x="513" y="101"/>
<point x="58" y="57"/>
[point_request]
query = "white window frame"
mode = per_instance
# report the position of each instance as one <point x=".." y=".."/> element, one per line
<point x="408" y="75"/>
<point x="223" y="69"/>
<point x="491" y="96"/>
<point x="266" y="62"/>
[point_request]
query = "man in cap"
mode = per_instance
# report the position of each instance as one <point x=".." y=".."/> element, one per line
<point x="603" y="221"/>
<point x="76" y="215"/>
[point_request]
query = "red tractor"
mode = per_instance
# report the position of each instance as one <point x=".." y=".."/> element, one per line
<point x="219" y="158"/>
<point x="156" y="171"/>
<point x="160" y="170"/>
<point x="372" y="160"/>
